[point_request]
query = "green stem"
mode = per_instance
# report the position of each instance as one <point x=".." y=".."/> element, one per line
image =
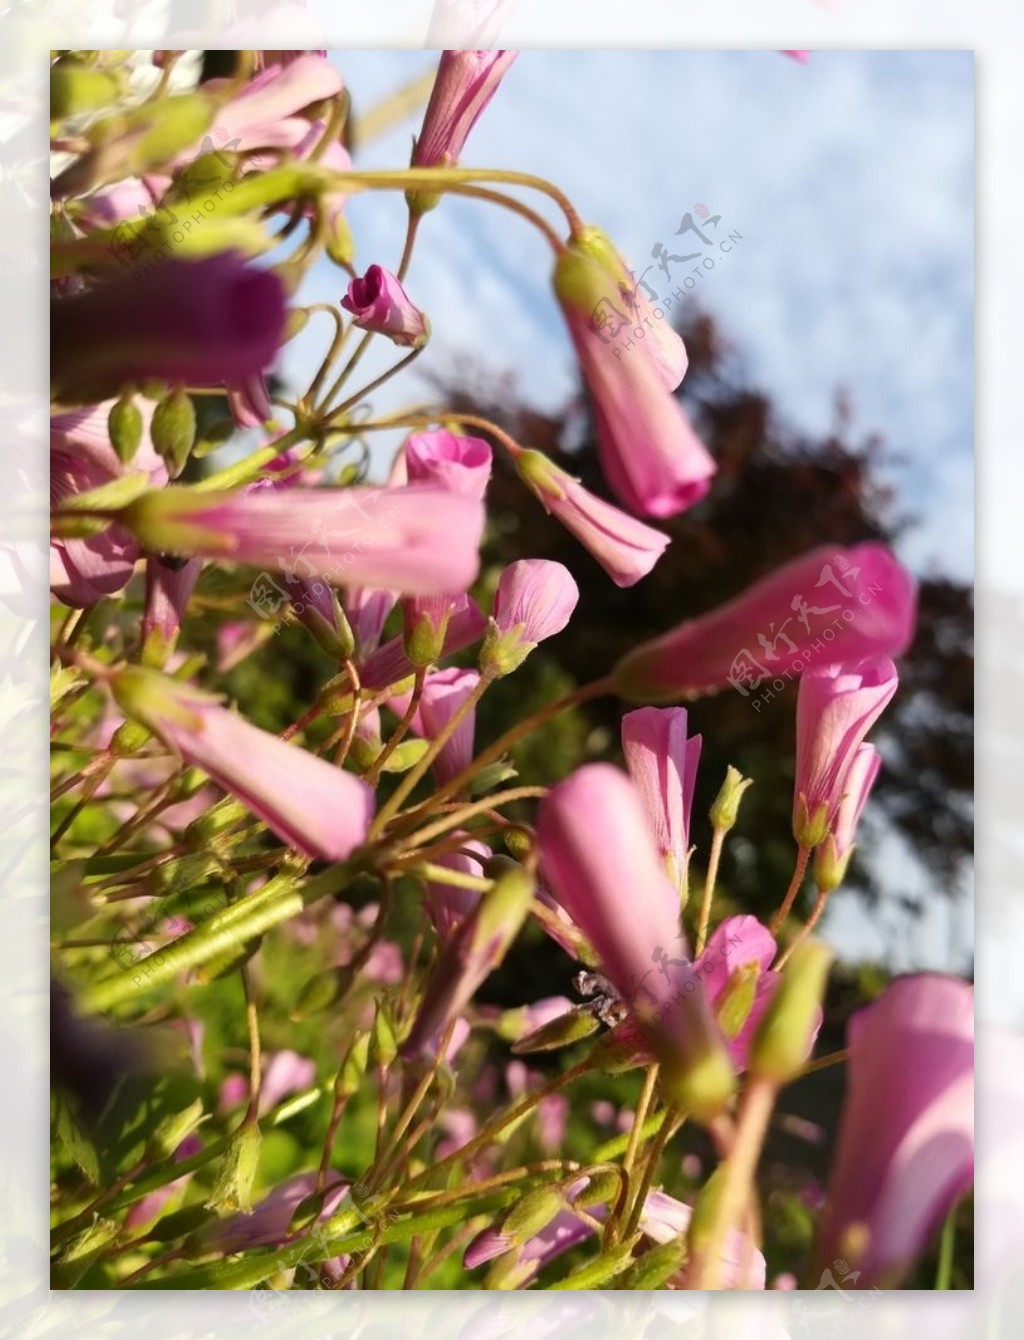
<point x="802" y="856"/>
<point x="377" y="382"/>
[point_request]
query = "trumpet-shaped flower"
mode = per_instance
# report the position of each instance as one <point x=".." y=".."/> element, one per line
<point x="662" y="762"/>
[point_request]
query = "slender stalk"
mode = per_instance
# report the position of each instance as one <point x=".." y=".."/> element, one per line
<point x="944" y="1271"/>
<point x="705" y="1265"/>
<point x="714" y="856"/>
<point x="458" y="818"/>
<point x="802" y="857"/>
<point x="804" y="931"/>
<point x="352" y="719"/>
<point x="252" y="1023"/>
<point x="377" y="382"/>
<point x="673" y="1120"/>
<point x="411" y="229"/>
<point x="340" y="336"/>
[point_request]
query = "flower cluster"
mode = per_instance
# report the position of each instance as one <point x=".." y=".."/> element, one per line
<point x="369" y="864"/>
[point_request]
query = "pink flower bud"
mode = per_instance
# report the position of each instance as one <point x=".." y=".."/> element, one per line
<point x="379" y="303"/>
<point x="466" y="82"/>
<point x="663" y="764"/>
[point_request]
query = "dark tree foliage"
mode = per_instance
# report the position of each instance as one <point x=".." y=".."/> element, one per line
<point x="777" y="494"/>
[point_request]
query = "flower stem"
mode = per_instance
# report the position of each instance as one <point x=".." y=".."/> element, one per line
<point x="714" y="856"/>
<point x="802" y="857"/>
<point x="803" y="932"/>
<point x="400" y="730"/>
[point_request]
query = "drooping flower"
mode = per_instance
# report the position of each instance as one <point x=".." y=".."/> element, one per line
<point x="449" y="460"/>
<point x="599" y="859"/>
<point x="650" y="454"/>
<point x="905" y="1150"/>
<point x="836" y="707"/>
<point x="313" y="806"/>
<point x="379" y="303"/>
<point x="833" y="856"/>
<point x="534" y="601"/>
<point x="466" y="82"/>
<point x="663" y="764"/>
<point x="203" y="322"/>
<point x="626" y="548"/>
<point x="417" y="539"/>
<point x="828" y="605"/>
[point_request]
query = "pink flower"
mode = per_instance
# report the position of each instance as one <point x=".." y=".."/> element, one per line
<point x="534" y="601"/>
<point x="449" y="904"/>
<point x="830" y="604"/>
<point x="456" y="23"/>
<point x="599" y="860"/>
<point x="833" y="856"/>
<point x="836" y="707"/>
<point x="444" y="692"/>
<point x="379" y="303"/>
<point x="415" y="539"/>
<point x="367" y="610"/>
<point x="202" y="322"/>
<point x="449" y="460"/>
<point x="663" y="764"/>
<point x="313" y="806"/>
<point x="168" y="588"/>
<point x="83" y="571"/>
<point x="650" y="454"/>
<point x="263" y="115"/>
<point x="466" y="82"/>
<point x="905" y="1150"/>
<point x="626" y="548"/>
<point x="269" y="1223"/>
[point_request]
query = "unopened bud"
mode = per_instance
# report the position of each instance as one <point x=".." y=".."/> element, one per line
<point x="518" y="841"/>
<point x="726" y="806"/>
<point x="129" y="737"/>
<point x="529" y="1215"/>
<point x="809" y="829"/>
<point x="829" y="869"/>
<point x="353" y="1067"/>
<point x="174" y="1128"/>
<point x="732" y="1009"/>
<point x="781" y="1044"/>
<point x="704" y="1086"/>
<point x="423" y="637"/>
<point x="656" y="1266"/>
<point x="233" y="1191"/>
<point x="601" y="1188"/>
<point x="124" y="424"/>
<point x="173" y="430"/>
<point x="568" y="1028"/>
<point x="384" y="1044"/>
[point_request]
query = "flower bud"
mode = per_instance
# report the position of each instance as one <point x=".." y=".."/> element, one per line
<point x="353" y="1067"/>
<point x="829" y="869"/>
<point x="568" y="1028"/>
<point x="233" y="1191"/>
<point x="529" y="1215"/>
<point x="702" y="1085"/>
<point x="173" y="1129"/>
<point x="732" y="1009"/>
<point x="726" y="806"/>
<point x="76" y="90"/>
<point x="173" y="431"/>
<point x="780" y="1045"/>
<point x="124" y="423"/>
<point x="383" y="1043"/>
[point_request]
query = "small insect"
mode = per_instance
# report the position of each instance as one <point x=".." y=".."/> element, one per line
<point x="602" y="998"/>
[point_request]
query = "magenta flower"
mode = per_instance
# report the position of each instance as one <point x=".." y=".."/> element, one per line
<point x="83" y="571"/>
<point x="534" y="601"/>
<point x="202" y="322"/>
<point x="663" y="764"/>
<point x="833" y="856"/>
<point x="829" y="605"/>
<point x="449" y="460"/>
<point x="313" y="806"/>
<point x="650" y="455"/>
<point x="836" y="707"/>
<point x="905" y="1151"/>
<point x="466" y="82"/>
<point x="416" y="539"/>
<point x="599" y="860"/>
<point x="379" y="303"/>
<point x="444" y="692"/>
<point x="626" y="548"/>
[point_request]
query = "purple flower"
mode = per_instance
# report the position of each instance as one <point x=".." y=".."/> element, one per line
<point x="663" y="764"/>
<point x="207" y="322"/>
<point x="905" y="1150"/>
<point x="379" y="303"/>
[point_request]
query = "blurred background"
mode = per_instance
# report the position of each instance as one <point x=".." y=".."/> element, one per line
<point x="830" y="373"/>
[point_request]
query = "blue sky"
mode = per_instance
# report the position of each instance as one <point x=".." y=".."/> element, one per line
<point x="850" y="179"/>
